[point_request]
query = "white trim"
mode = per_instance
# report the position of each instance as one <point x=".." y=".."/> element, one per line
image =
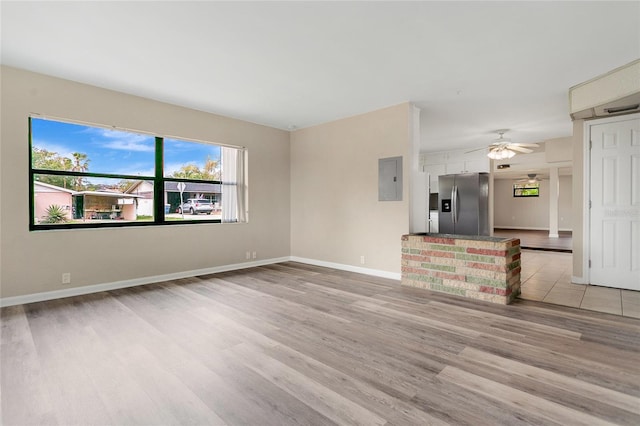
<point x="554" y="235"/>
<point x="367" y="271"/>
<point x="586" y="197"/>
<point x="96" y="288"/>
<point x="579" y="280"/>
<point x="524" y="228"/>
<point x="586" y="188"/>
<point x="530" y="228"/>
<point x="127" y="129"/>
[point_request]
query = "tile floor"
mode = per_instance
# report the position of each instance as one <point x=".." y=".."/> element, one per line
<point x="546" y="277"/>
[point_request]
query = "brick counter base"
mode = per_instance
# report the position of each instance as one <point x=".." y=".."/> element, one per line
<point x="478" y="268"/>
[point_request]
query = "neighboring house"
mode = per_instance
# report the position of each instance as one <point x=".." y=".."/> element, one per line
<point x="144" y="189"/>
<point x="46" y="195"/>
<point x="209" y="191"/>
<point x="105" y="205"/>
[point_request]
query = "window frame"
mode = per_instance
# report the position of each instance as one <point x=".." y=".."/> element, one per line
<point x="519" y="186"/>
<point x="158" y="180"/>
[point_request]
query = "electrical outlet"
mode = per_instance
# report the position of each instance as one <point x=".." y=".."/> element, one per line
<point x="248" y="255"/>
<point x="66" y="278"/>
<point x="362" y="260"/>
<point x="255" y="255"/>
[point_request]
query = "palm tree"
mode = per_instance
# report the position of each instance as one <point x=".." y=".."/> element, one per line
<point x="80" y="164"/>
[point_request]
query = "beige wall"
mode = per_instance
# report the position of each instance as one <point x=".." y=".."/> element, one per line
<point x="558" y="150"/>
<point x="335" y="213"/>
<point x="33" y="262"/>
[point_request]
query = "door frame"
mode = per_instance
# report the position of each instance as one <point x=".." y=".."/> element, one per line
<point x="586" y="188"/>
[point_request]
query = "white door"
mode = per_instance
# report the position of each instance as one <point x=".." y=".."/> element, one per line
<point x="615" y="204"/>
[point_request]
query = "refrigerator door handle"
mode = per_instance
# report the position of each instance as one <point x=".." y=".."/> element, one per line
<point x="453" y="204"/>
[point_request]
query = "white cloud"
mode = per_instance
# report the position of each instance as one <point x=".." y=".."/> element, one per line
<point x="128" y="145"/>
<point x="61" y="150"/>
<point x="126" y="141"/>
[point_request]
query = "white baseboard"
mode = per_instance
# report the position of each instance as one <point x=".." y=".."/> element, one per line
<point x="578" y="280"/>
<point x="529" y="228"/>
<point x="96" y="288"/>
<point x="524" y="228"/>
<point x="350" y="268"/>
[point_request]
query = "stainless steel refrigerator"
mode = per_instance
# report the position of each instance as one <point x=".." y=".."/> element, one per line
<point x="464" y="204"/>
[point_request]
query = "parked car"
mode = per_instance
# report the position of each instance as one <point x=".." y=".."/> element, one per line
<point x="195" y="206"/>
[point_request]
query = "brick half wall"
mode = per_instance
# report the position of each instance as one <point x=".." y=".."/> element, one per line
<point x="482" y="268"/>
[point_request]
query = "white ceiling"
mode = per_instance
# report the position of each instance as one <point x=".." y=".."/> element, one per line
<point x="473" y="67"/>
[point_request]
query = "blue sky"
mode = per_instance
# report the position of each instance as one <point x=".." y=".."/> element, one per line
<point x="115" y="151"/>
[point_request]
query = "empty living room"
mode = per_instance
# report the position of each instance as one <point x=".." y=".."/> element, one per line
<point x="237" y="213"/>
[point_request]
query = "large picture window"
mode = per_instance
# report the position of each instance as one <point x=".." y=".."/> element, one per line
<point x="86" y="176"/>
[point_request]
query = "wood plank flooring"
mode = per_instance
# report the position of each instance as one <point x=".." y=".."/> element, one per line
<point x="293" y="344"/>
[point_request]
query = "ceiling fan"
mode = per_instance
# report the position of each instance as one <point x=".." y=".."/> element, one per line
<point x="531" y="178"/>
<point x="502" y="148"/>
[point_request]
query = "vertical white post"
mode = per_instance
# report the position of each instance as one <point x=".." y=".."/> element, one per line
<point x="554" y="192"/>
<point x="491" y="196"/>
<point x="418" y="187"/>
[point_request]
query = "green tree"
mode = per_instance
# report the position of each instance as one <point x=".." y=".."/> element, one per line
<point x="210" y="171"/>
<point x="188" y="171"/>
<point x="80" y="164"/>
<point x="49" y="160"/>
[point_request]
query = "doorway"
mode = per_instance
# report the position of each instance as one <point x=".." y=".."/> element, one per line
<point x="528" y="215"/>
<point x="613" y="219"/>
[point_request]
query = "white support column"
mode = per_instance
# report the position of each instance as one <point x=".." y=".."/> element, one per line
<point x="554" y="193"/>
<point x="418" y="187"/>
<point x="491" y="196"/>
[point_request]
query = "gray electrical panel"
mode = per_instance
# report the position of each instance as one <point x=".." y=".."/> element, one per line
<point x="390" y="179"/>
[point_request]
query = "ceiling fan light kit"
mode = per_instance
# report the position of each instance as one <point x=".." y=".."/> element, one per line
<point x="503" y="149"/>
<point x="500" y="153"/>
<point x="531" y="178"/>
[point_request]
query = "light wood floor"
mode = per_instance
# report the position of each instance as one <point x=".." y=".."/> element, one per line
<point x="293" y="344"/>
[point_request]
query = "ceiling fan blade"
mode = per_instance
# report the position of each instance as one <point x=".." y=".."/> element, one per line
<point x="521" y="149"/>
<point x="525" y="145"/>
<point x="476" y="150"/>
